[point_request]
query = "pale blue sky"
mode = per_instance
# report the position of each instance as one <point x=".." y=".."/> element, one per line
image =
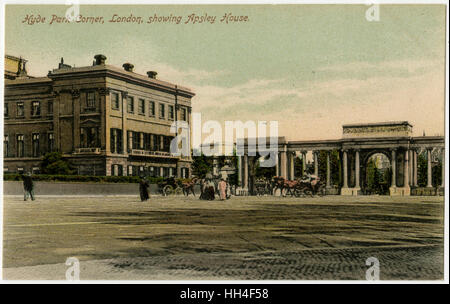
<point x="311" y="67"/>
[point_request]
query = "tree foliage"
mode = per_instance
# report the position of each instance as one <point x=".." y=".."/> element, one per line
<point x="54" y="163"/>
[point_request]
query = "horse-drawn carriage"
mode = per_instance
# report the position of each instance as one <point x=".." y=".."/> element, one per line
<point x="170" y="186"/>
<point x="307" y="185"/>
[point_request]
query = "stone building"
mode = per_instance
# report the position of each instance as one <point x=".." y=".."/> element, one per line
<point x="104" y="119"/>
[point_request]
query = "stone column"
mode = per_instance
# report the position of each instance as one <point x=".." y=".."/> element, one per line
<point x="357" y="169"/>
<point x="406" y="170"/>
<point x="429" y="176"/>
<point x="303" y="162"/>
<point x="394" y="168"/>
<point x="277" y="164"/>
<point x="76" y="118"/>
<point x="292" y="166"/>
<point x="328" y="170"/>
<point x="443" y="167"/>
<point x="239" y="170"/>
<point x="411" y="167"/>
<point x="345" y="169"/>
<point x="414" y="168"/>
<point x="123" y="108"/>
<point x="316" y="163"/>
<point x="283" y="163"/>
<point x="245" y="181"/>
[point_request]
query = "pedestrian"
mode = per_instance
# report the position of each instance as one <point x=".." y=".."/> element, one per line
<point x="210" y="190"/>
<point x="222" y="189"/>
<point x="28" y="187"/>
<point x="143" y="189"/>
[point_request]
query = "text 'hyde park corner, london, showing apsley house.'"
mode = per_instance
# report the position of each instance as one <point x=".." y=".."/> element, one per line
<point x="105" y="120"/>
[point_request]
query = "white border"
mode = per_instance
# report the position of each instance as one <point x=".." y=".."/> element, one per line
<point x="195" y="282"/>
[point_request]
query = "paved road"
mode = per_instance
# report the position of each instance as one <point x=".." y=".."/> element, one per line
<point x="245" y="238"/>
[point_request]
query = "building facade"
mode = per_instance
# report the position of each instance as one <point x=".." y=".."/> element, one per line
<point x="105" y="120"/>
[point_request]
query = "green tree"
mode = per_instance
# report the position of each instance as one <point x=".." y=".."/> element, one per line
<point x="422" y="170"/>
<point x="54" y="163"/>
<point x="334" y="169"/>
<point x="201" y="165"/>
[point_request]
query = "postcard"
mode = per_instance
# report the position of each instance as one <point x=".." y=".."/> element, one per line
<point x="225" y="142"/>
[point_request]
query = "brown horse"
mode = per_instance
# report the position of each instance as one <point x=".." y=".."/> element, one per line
<point x="188" y="186"/>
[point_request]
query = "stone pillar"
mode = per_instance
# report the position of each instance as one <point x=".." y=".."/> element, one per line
<point x="76" y="118"/>
<point x="277" y="164"/>
<point x="406" y="170"/>
<point x="357" y="169"/>
<point x="394" y="168"/>
<point x="345" y="169"/>
<point x="291" y="166"/>
<point x="429" y="175"/>
<point x="303" y="162"/>
<point x="328" y="170"/>
<point x="316" y="163"/>
<point x="245" y="181"/>
<point x="283" y="163"/>
<point x="411" y="167"/>
<point x="443" y="167"/>
<point x="415" y="168"/>
<point x="239" y="170"/>
<point x="124" y="123"/>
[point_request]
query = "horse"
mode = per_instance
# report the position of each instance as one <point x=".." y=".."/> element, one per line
<point x="188" y="186"/>
<point x="277" y="183"/>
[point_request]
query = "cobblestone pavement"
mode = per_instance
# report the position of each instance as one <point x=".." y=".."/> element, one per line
<point x="245" y="238"/>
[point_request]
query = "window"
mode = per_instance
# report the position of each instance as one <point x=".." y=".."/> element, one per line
<point x="115" y="101"/>
<point x="147" y="142"/>
<point x="90" y="100"/>
<point x="5" y="145"/>
<point x="141" y="107"/>
<point x="183" y="114"/>
<point x="50" y="108"/>
<point x="51" y="142"/>
<point x="36" y="108"/>
<point x="162" y="110"/>
<point x="20" y="109"/>
<point x="152" y="171"/>
<point x="20" y="146"/>
<point x="130" y="105"/>
<point x="116" y="141"/>
<point x="89" y="137"/>
<point x="5" y="110"/>
<point x="171" y="113"/>
<point x="136" y="140"/>
<point x="117" y="170"/>
<point x="152" y="108"/>
<point x="35" y="144"/>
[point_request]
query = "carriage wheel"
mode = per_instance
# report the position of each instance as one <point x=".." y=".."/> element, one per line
<point x="178" y="191"/>
<point x="168" y="190"/>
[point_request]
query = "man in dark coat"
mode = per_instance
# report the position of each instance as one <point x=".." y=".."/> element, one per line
<point x="28" y="187"/>
<point x="143" y="189"/>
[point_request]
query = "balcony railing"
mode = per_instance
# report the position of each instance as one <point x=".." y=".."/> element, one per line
<point x="87" y="151"/>
<point x="150" y="153"/>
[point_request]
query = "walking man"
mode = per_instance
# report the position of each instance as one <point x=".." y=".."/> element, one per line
<point x="28" y="187"/>
<point x="143" y="189"/>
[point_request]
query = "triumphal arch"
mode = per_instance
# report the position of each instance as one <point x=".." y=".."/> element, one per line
<point x="358" y="143"/>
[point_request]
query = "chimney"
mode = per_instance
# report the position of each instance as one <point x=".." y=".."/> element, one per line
<point x="152" y="74"/>
<point x="128" y="67"/>
<point x="100" y="59"/>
